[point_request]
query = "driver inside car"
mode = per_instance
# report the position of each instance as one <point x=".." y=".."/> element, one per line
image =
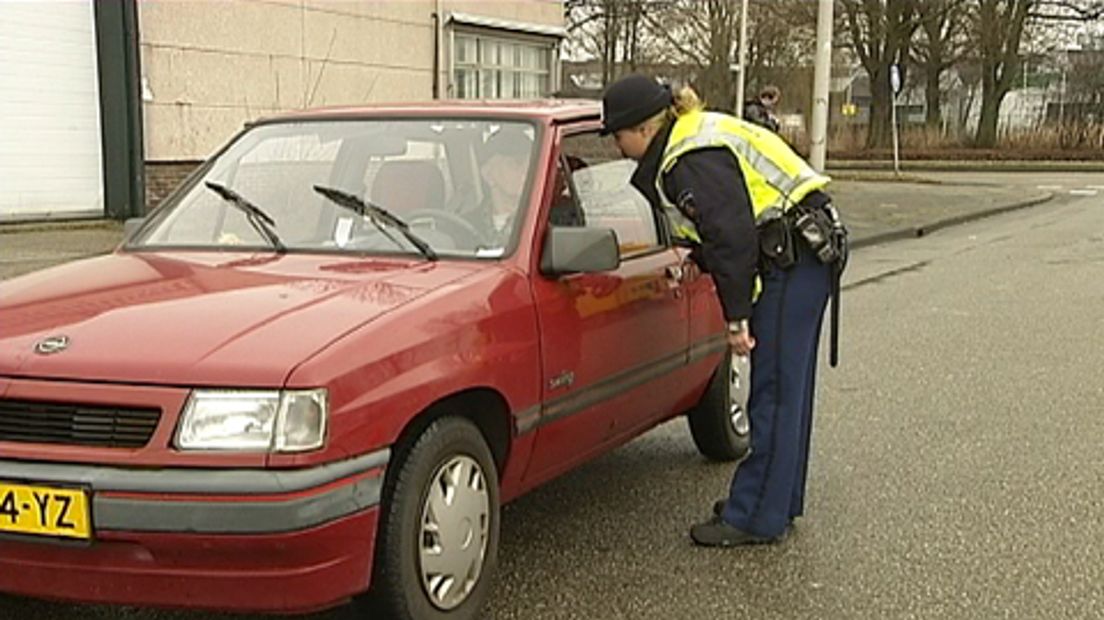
<point x="503" y="167"/>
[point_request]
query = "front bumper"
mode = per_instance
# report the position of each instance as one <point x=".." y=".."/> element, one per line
<point x="236" y="540"/>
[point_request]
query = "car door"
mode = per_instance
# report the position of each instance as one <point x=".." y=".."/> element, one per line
<point x="609" y="341"/>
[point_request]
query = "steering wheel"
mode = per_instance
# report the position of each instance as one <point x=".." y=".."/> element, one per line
<point x="468" y="235"/>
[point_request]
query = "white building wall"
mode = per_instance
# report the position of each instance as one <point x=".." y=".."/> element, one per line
<point x="211" y="65"/>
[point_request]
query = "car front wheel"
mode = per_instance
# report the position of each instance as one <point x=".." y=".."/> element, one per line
<point x="719" y="423"/>
<point x="438" y="533"/>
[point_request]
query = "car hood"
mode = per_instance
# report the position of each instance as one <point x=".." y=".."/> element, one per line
<point x="200" y="318"/>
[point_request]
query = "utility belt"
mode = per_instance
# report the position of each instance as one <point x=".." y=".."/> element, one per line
<point x="817" y="224"/>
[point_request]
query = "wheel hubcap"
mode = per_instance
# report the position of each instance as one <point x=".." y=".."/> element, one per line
<point x="455" y="523"/>
<point x="737" y="395"/>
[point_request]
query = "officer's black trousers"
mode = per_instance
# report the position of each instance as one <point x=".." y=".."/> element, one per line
<point x="768" y="489"/>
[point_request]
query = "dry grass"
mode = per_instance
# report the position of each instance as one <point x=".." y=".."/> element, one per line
<point x="1076" y="136"/>
<point x="1072" y="141"/>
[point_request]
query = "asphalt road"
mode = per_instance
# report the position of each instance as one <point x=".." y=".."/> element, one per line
<point x="957" y="466"/>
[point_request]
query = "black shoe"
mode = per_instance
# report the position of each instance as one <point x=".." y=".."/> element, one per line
<point x="718" y="508"/>
<point x="716" y="533"/>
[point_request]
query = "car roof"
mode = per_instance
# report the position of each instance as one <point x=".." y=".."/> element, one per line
<point x="546" y="110"/>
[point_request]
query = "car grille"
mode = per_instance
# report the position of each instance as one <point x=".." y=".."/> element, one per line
<point x="79" y="425"/>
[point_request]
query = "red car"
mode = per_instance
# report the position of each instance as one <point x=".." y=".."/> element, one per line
<point x="321" y="366"/>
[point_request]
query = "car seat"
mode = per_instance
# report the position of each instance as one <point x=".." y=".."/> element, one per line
<point x="405" y="186"/>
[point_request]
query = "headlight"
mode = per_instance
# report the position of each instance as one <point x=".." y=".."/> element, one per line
<point x="254" y="421"/>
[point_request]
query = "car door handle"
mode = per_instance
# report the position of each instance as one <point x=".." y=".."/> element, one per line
<point x="675" y="273"/>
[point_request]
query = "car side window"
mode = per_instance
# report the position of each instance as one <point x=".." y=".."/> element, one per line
<point x="593" y="189"/>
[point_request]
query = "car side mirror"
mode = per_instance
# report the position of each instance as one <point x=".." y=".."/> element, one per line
<point x="131" y="225"/>
<point x="579" y="250"/>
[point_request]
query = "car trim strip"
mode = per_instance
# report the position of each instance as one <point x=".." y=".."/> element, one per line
<point x="193" y="480"/>
<point x="527" y="420"/>
<point x="624" y="381"/>
<point x="237" y="517"/>
<point x="706" y="347"/>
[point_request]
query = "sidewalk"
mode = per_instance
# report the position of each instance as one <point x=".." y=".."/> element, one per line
<point x="876" y="211"/>
<point x="28" y="247"/>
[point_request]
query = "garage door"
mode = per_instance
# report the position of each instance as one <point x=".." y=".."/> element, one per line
<point x="50" y="155"/>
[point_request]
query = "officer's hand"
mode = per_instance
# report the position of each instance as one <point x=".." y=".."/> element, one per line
<point x="690" y="269"/>
<point x="741" y="343"/>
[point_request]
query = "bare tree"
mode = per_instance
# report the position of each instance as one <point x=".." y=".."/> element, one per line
<point x="1068" y="10"/>
<point x="999" y="25"/>
<point x="691" y="39"/>
<point x="790" y="25"/>
<point x="781" y="37"/>
<point x="613" y="31"/>
<point x="633" y="16"/>
<point x="610" y="31"/>
<point x="717" y="82"/>
<point x="880" y="33"/>
<point x="942" y="43"/>
<point x="699" y="35"/>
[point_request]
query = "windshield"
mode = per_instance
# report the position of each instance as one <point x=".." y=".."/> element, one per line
<point x="454" y="187"/>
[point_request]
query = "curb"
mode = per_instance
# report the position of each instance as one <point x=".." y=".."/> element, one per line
<point x="913" y="232"/>
<point x="921" y="165"/>
<point x="11" y="228"/>
<point x="856" y="175"/>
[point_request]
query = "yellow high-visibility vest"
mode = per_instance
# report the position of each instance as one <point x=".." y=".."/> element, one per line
<point x="776" y="177"/>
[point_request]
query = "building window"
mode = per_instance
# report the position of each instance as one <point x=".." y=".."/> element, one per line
<point x="498" y="68"/>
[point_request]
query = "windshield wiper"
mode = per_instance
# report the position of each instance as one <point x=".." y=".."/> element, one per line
<point x="258" y="219"/>
<point x="382" y="218"/>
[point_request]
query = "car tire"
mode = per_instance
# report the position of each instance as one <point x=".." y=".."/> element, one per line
<point x="413" y="542"/>
<point x="719" y="422"/>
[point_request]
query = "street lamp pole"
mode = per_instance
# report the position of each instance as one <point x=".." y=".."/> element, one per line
<point x="822" y="73"/>
<point x="1062" y="97"/>
<point x="741" y="82"/>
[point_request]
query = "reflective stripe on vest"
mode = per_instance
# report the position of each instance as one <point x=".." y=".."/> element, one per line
<point x="776" y="177"/>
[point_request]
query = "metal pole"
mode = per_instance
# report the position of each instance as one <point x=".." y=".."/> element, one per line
<point x="896" y="140"/>
<point x="822" y="73"/>
<point x="1062" y="97"/>
<point x="438" y="49"/>
<point x="741" y="82"/>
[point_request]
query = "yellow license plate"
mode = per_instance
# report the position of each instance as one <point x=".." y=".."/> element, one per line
<point x="44" y="511"/>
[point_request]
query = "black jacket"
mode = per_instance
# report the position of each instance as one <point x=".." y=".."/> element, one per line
<point x="756" y="112"/>
<point x="708" y="187"/>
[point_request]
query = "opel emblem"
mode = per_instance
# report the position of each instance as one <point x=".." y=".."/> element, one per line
<point x="51" y="345"/>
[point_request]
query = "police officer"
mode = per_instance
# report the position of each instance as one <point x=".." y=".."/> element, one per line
<point x="716" y="178"/>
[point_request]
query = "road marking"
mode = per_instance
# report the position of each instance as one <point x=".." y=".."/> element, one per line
<point x="1095" y="186"/>
<point x="1048" y="187"/>
<point x="1083" y="192"/>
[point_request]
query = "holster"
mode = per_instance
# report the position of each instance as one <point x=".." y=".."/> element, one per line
<point x="776" y="243"/>
<point x="817" y="222"/>
<point x="821" y="231"/>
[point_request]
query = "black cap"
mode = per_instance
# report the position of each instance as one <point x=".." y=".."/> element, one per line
<point x="632" y="100"/>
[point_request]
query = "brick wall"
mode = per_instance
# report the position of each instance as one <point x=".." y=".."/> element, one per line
<point x="162" y="177"/>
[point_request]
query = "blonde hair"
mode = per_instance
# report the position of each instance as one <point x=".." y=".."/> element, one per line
<point x="684" y="101"/>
